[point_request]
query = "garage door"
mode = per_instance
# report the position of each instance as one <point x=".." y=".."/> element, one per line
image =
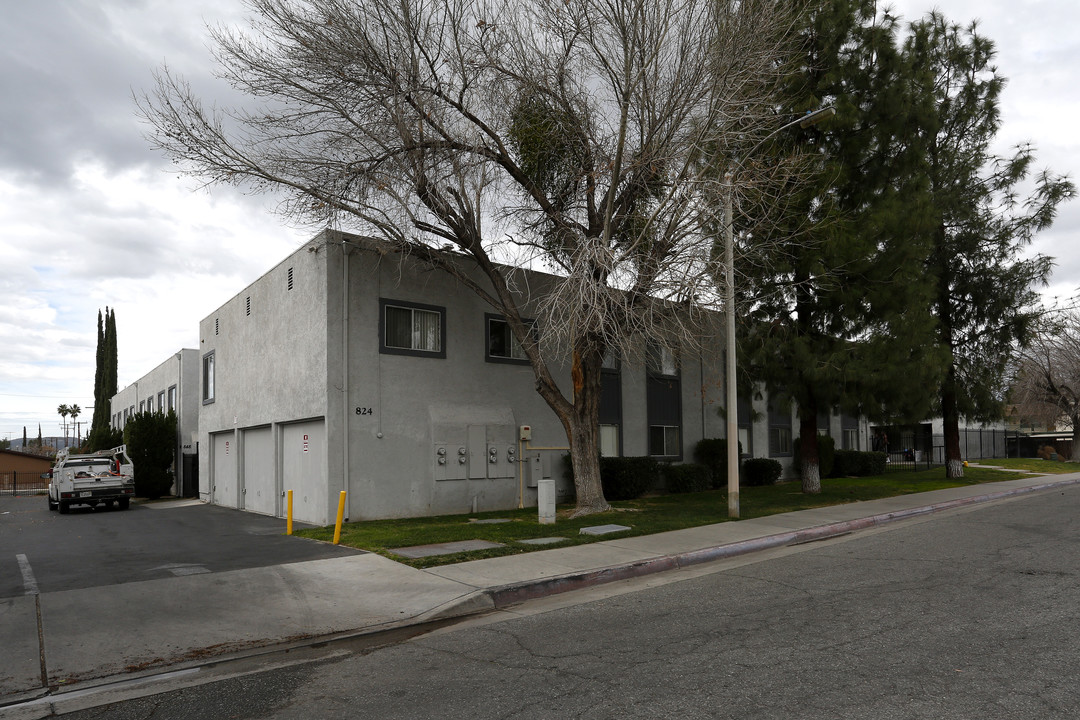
<point x="257" y="472"/>
<point x="303" y="469"/>
<point x="223" y="486"/>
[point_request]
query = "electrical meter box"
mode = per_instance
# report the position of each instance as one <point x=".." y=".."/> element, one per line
<point x="526" y="432"/>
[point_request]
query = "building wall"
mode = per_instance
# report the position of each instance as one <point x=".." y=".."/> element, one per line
<point x="269" y="348"/>
<point x="179" y="371"/>
<point x="12" y="461"/>
<point x="308" y="399"/>
<point x="404" y="409"/>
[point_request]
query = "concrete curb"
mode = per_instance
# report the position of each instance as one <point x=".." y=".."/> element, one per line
<point x="507" y="595"/>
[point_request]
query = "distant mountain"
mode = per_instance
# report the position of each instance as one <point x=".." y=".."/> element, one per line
<point x="56" y="442"/>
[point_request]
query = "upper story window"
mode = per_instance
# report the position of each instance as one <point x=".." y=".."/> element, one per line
<point x="208" y="378"/>
<point x="661" y="361"/>
<point x="412" y="329"/>
<point x="172" y="397"/>
<point x="502" y="346"/>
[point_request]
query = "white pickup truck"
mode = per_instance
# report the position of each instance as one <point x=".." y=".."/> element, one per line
<point x="103" y="477"/>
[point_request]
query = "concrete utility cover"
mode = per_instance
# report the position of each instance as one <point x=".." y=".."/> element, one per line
<point x="419" y="551"/>
<point x="542" y="541"/>
<point x="492" y="521"/>
<point x="603" y="529"/>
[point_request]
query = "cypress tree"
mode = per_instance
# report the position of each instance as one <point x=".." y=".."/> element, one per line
<point x="105" y="381"/>
<point x="977" y="226"/>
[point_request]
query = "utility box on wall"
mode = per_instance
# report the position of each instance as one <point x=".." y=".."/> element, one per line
<point x="534" y="468"/>
<point x="451" y="461"/>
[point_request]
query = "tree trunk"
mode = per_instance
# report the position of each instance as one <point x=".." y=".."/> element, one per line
<point x="580" y="421"/>
<point x="809" y="458"/>
<point x="954" y="461"/>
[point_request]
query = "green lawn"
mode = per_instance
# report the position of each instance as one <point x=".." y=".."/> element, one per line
<point x="1035" y="465"/>
<point x="644" y="516"/>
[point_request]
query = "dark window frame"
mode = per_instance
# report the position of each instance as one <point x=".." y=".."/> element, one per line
<point x="208" y="380"/>
<point x="501" y="359"/>
<point x="384" y="303"/>
<point x="655" y="416"/>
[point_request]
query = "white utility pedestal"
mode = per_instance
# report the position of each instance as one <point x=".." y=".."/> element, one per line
<point x="545" y="500"/>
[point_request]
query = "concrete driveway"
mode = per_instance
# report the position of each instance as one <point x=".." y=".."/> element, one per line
<point x="43" y="551"/>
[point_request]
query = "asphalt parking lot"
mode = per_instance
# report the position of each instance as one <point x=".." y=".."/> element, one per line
<point x="43" y="551"/>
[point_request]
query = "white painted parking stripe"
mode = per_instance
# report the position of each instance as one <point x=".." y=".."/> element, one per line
<point x="29" y="582"/>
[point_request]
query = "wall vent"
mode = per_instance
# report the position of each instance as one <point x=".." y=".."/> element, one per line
<point x="290" y="278"/>
<point x="247" y="305"/>
<point x="216" y="326"/>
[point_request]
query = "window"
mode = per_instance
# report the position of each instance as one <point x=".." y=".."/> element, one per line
<point x="208" y="378"/>
<point x="664" y="441"/>
<point x="779" y="441"/>
<point x="779" y="430"/>
<point x="172" y="398"/>
<point x="142" y="406"/>
<point x="661" y="361"/>
<point x="150" y="404"/>
<point x="502" y="346"/>
<point x="851" y="439"/>
<point x="609" y="440"/>
<point x="663" y="402"/>
<point x="412" y="329"/>
<point x="610" y="414"/>
<point x="161" y="402"/>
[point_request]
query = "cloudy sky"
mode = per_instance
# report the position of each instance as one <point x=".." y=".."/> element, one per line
<point x="91" y="217"/>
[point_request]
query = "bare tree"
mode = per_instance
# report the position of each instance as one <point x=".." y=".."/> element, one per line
<point x="586" y="135"/>
<point x="1046" y="385"/>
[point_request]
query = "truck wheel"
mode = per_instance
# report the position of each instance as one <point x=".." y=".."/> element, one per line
<point x="63" y="507"/>
<point x="52" y="505"/>
<point x="123" y="503"/>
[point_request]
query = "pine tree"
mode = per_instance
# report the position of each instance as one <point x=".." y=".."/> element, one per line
<point x="836" y="316"/>
<point x="977" y="226"/>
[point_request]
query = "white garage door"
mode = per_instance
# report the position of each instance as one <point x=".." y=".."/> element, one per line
<point x="223" y="481"/>
<point x="257" y="472"/>
<point x="303" y="469"/>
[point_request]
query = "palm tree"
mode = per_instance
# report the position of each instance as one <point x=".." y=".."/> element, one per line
<point x="63" y="410"/>
<point x="75" y="410"/>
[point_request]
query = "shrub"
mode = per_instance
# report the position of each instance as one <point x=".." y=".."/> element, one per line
<point x="623" y="478"/>
<point x="151" y="444"/>
<point x="761" y="471"/>
<point x="1048" y="452"/>
<point x="826" y="454"/>
<point x="712" y="453"/>
<point x="848" y="463"/>
<point x="686" y="478"/>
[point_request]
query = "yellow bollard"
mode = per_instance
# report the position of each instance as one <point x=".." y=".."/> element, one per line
<point x="340" y="514"/>
<point x="288" y="521"/>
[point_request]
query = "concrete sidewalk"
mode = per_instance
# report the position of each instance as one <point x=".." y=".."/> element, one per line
<point x="57" y="643"/>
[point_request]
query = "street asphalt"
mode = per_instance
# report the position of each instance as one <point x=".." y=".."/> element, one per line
<point x="61" y="646"/>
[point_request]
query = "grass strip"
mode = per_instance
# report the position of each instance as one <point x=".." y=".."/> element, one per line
<point x="645" y="516"/>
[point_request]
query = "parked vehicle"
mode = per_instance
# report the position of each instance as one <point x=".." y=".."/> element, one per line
<point x="104" y="477"/>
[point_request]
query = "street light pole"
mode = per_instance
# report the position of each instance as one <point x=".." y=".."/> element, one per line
<point x="731" y="407"/>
